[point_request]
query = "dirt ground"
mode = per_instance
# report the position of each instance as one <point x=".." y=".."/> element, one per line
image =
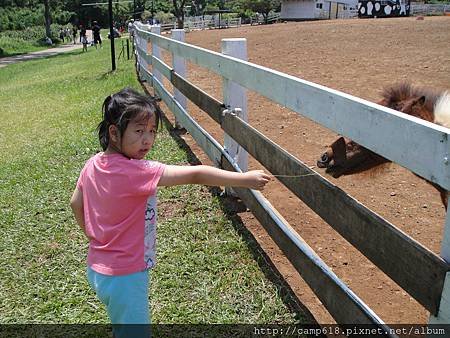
<point x="358" y="57"/>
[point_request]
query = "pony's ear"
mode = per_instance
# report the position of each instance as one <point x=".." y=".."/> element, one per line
<point x="419" y="101"/>
<point x="339" y="151"/>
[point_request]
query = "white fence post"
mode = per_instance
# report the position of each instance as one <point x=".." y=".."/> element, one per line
<point x="179" y="65"/>
<point x="443" y="316"/>
<point x="141" y="43"/>
<point x="235" y="96"/>
<point x="156" y="51"/>
<point x="148" y="48"/>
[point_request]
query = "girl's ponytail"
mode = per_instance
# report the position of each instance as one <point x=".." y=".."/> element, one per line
<point x="103" y="133"/>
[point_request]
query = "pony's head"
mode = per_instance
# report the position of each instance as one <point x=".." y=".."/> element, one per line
<point x="346" y="157"/>
<point x="414" y="101"/>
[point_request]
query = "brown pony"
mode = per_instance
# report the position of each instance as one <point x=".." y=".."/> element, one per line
<point x="346" y="157"/>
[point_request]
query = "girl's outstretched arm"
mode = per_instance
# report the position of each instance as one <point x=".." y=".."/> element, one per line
<point x="207" y="175"/>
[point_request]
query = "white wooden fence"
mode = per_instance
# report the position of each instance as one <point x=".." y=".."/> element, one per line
<point x="207" y="22"/>
<point x="424" y="275"/>
<point x="211" y="22"/>
<point x="429" y="9"/>
<point x="342" y="14"/>
<point x="259" y="18"/>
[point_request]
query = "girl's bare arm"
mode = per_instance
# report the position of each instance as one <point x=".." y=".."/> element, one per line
<point x="76" y="203"/>
<point x="207" y="175"/>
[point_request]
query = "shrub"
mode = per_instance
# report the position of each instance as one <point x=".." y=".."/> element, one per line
<point x="20" y="18"/>
<point x="164" y="17"/>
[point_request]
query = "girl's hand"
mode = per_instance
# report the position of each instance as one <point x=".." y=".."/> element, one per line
<point x="256" y="179"/>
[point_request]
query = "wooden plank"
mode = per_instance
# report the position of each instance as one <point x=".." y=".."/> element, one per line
<point x="179" y="66"/>
<point x="208" y="144"/>
<point x="416" y="269"/>
<point x="156" y="51"/>
<point x="421" y="146"/>
<point x="163" y="68"/>
<point x="443" y="316"/>
<point x="344" y="305"/>
<point x="207" y="103"/>
<point x="143" y="54"/>
<point x="145" y="75"/>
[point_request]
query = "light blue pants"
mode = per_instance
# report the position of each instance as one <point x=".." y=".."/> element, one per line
<point x="126" y="301"/>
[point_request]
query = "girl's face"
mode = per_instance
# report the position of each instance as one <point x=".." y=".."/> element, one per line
<point x="138" y="137"/>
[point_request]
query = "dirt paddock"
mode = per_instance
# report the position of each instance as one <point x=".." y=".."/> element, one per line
<point x="358" y="57"/>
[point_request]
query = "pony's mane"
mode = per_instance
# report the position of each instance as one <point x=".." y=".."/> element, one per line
<point x="404" y="90"/>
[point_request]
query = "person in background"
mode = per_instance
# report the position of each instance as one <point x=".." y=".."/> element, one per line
<point x="82" y="32"/>
<point x="130" y="27"/>
<point x="96" y="34"/>
<point x="61" y="34"/>
<point x="84" y="41"/>
<point x="74" y="34"/>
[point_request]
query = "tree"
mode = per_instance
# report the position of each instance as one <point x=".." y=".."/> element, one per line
<point x="48" y="19"/>
<point x="262" y="6"/>
<point x="198" y="6"/>
<point x="178" y="11"/>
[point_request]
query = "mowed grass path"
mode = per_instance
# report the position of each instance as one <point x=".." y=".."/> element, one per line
<point x="48" y="114"/>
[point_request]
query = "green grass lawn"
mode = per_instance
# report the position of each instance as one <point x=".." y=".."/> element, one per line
<point x="49" y="110"/>
<point x="11" y="47"/>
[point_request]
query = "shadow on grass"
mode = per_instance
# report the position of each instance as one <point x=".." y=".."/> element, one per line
<point x="232" y="207"/>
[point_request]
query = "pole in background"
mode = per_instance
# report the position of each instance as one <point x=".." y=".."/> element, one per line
<point x="111" y="34"/>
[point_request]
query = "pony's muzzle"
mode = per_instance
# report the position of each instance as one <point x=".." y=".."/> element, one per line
<point x="324" y="161"/>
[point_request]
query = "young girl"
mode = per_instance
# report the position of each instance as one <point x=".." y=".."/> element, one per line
<point x="114" y="202"/>
<point x="84" y="41"/>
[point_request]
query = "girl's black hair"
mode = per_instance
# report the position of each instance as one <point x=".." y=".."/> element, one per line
<point x="120" y="108"/>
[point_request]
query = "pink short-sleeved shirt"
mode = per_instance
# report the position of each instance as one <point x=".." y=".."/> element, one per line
<point x="119" y="201"/>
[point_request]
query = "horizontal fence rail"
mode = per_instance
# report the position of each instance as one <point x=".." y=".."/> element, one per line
<point x="421" y="146"/>
<point x="416" y="269"/>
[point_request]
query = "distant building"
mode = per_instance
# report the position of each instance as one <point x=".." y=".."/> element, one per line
<point x="318" y="9"/>
<point x="383" y="8"/>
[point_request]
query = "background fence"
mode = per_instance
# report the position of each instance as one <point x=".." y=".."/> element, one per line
<point x="430" y="9"/>
<point x="204" y="22"/>
<point x="259" y="18"/>
<point x="421" y="273"/>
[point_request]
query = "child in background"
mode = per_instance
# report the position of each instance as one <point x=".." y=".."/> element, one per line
<point x="114" y="202"/>
<point x="84" y="41"/>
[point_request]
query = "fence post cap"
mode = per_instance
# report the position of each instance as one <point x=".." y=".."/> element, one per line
<point x="234" y="39"/>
